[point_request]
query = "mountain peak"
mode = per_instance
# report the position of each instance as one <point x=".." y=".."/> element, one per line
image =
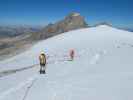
<point x="74" y="14"/>
<point x="71" y="22"/>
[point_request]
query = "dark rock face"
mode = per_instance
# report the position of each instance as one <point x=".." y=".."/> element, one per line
<point x="71" y="22"/>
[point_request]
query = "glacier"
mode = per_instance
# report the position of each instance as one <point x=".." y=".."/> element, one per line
<point x="102" y="68"/>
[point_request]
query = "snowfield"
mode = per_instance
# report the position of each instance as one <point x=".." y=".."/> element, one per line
<point x="102" y="68"/>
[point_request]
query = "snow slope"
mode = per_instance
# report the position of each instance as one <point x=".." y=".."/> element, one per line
<point x="102" y="69"/>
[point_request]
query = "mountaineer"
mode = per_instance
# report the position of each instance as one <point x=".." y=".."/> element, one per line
<point x="72" y="54"/>
<point x="42" y="59"/>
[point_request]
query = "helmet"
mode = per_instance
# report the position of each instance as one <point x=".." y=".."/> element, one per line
<point x="42" y="52"/>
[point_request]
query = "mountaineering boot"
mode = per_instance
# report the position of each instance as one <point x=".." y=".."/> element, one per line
<point x="40" y="71"/>
<point x="44" y="72"/>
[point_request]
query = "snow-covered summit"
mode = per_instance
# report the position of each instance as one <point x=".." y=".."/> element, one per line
<point x="102" y="68"/>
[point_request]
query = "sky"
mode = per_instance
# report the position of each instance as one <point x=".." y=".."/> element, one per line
<point x="41" y="12"/>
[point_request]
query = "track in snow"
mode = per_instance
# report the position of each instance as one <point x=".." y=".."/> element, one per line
<point x="13" y="71"/>
<point x="29" y="82"/>
<point x="97" y="57"/>
<point x="94" y="60"/>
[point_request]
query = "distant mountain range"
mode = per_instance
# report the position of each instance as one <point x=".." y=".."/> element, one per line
<point x="71" y="22"/>
<point x="18" y="38"/>
<point x="11" y="31"/>
<point x="128" y="29"/>
<point x="15" y="39"/>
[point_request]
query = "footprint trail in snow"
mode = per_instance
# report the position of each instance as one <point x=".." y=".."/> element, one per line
<point x="98" y="56"/>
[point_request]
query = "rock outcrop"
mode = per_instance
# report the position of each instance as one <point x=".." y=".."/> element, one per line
<point x="71" y="22"/>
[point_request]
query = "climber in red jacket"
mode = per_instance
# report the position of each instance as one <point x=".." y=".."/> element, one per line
<point x="72" y="54"/>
